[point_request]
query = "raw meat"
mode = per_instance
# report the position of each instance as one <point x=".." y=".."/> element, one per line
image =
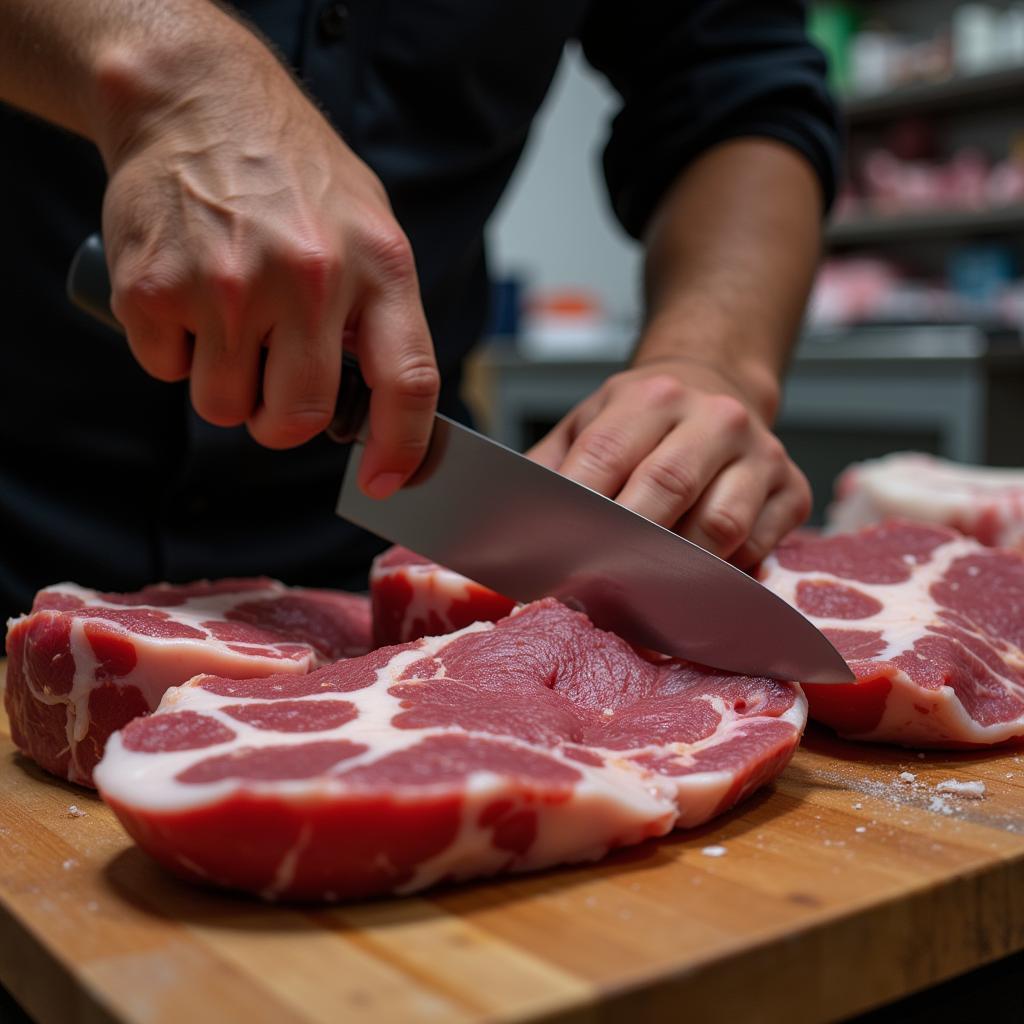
<point x="83" y="663"/>
<point x="414" y="597"/>
<point x="979" y="501"/>
<point x="503" y="747"/>
<point x="931" y="622"/>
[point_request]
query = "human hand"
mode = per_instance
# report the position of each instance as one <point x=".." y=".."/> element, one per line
<point x="245" y="239"/>
<point x="681" y="443"/>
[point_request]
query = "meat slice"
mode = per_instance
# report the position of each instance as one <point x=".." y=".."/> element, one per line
<point x="83" y="663"/>
<point x="930" y="621"/>
<point x="980" y="501"/>
<point x="414" y="597"/>
<point x="502" y="747"/>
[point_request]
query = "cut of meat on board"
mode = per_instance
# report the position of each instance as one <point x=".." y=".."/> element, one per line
<point x="535" y="741"/>
<point x="930" y="621"/>
<point x="84" y="663"/>
<point x="414" y="597"/>
<point x="980" y="501"/>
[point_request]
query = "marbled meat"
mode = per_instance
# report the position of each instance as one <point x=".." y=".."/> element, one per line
<point x="535" y="741"/>
<point x="83" y="664"/>
<point x="931" y="622"/>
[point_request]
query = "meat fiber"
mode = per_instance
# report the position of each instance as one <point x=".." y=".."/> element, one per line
<point x="930" y="621"/>
<point x="414" y="597"/>
<point x="83" y="663"/>
<point x="508" y="747"/>
<point x="979" y="501"/>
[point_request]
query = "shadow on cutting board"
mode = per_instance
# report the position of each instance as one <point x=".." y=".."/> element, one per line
<point x="819" y="739"/>
<point x="136" y="879"/>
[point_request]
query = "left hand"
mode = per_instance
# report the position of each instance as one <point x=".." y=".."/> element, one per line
<point x="683" y="444"/>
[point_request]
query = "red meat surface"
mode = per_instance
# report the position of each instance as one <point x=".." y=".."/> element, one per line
<point x="502" y="747"/>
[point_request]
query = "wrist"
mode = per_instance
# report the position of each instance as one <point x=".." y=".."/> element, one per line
<point x="751" y="369"/>
<point x="144" y="78"/>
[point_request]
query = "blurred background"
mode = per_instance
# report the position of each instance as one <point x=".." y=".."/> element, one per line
<point x="913" y="336"/>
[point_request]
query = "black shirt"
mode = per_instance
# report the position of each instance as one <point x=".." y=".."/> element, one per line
<point x="107" y="477"/>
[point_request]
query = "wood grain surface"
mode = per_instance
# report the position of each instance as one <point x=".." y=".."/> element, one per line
<point x="841" y="888"/>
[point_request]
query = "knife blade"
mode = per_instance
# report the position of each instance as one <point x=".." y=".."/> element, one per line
<point x="523" y="530"/>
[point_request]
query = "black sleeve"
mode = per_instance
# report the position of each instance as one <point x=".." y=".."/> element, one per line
<point x="692" y="73"/>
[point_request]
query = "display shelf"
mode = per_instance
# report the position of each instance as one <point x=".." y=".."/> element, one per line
<point x="902" y="228"/>
<point x="1004" y="88"/>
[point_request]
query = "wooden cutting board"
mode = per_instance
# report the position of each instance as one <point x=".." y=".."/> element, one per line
<point x="840" y="888"/>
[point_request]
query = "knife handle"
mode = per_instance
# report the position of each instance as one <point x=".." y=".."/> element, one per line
<point x="88" y="287"/>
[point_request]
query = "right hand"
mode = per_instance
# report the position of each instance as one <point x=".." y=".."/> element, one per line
<point x="236" y="216"/>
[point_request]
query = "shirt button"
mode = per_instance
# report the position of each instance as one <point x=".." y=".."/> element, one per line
<point x="334" y="21"/>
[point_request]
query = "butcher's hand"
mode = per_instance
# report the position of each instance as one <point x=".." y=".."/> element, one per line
<point x="682" y="444"/>
<point x="684" y="437"/>
<point x="244" y="237"/>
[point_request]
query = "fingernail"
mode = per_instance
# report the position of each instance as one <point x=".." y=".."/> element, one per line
<point x="383" y="485"/>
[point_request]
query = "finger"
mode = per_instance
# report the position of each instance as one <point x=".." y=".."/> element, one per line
<point x="723" y="517"/>
<point x="225" y="373"/>
<point x="671" y="479"/>
<point x="396" y="355"/>
<point x="614" y="443"/>
<point x="162" y="349"/>
<point x="785" y="510"/>
<point x="551" y="449"/>
<point x="154" y="314"/>
<point x="301" y="376"/>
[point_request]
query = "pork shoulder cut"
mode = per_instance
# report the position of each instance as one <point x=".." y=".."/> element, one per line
<point x="930" y="621"/>
<point x="512" y="746"/>
<point x="980" y="501"/>
<point x="414" y="597"/>
<point x="83" y="663"/>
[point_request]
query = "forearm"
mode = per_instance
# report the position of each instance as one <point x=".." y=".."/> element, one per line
<point x="731" y="254"/>
<point x="97" y="67"/>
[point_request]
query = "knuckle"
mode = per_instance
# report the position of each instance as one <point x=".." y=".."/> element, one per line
<point x="661" y="389"/>
<point x="390" y="251"/>
<point x="775" y="451"/>
<point x="803" y="498"/>
<point x="730" y="413"/>
<point x="602" y="448"/>
<point x="316" y="264"/>
<point x="150" y="291"/>
<point x="674" y="478"/>
<point x="723" y="526"/>
<point x="418" y="380"/>
<point x="227" y="281"/>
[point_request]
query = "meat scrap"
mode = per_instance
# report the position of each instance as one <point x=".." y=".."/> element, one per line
<point x="83" y="663"/>
<point x="414" y="597"/>
<point x="503" y="747"/>
<point x="930" y="621"/>
<point x="981" y="501"/>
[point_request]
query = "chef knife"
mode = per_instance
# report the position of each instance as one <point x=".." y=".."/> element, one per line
<point x="527" y="532"/>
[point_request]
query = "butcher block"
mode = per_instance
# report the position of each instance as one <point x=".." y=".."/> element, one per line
<point x="864" y="874"/>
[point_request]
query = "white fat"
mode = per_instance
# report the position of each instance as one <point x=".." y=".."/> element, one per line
<point x="927" y="489"/>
